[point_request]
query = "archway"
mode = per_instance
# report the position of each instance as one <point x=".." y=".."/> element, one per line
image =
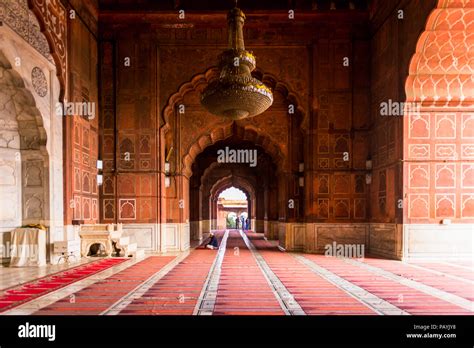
<point x="33" y="79"/>
<point x="24" y="165"/>
<point x="189" y="131"/>
<point x="217" y="205"/>
<point x="210" y="178"/>
<point x="438" y="133"/>
<point x="232" y="204"/>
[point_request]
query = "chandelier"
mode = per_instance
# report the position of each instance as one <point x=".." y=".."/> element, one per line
<point x="236" y="94"/>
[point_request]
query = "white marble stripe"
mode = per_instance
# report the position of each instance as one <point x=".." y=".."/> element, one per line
<point x="458" y="266"/>
<point x="287" y="302"/>
<point x="443" y="295"/>
<point x="207" y="298"/>
<point x="440" y="273"/>
<point x="370" y="300"/>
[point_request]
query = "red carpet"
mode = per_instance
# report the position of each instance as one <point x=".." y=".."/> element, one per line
<point x="438" y="281"/>
<point x="243" y="289"/>
<point x="99" y="296"/>
<point x="16" y="296"/>
<point x="178" y="291"/>
<point x="410" y="300"/>
<point x="314" y="294"/>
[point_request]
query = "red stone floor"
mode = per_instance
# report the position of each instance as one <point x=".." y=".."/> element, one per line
<point x="244" y="285"/>
<point x="458" y="284"/>
<point x="315" y="295"/>
<point x="243" y="288"/>
<point x="410" y="300"/>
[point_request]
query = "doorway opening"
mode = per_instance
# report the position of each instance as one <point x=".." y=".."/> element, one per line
<point x="232" y="209"/>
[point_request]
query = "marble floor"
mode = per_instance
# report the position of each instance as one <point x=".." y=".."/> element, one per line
<point x="248" y="275"/>
<point x="11" y="276"/>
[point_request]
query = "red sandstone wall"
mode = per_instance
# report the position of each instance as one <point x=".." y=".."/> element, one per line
<point x="392" y="46"/>
<point x="439" y="139"/>
<point x="129" y="140"/>
<point x="81" y="139"/>
<point x="337" y="191"/>
<point x="309" y="63"/>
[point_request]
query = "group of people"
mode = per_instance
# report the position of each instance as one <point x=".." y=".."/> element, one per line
<point x="244" y="222"/>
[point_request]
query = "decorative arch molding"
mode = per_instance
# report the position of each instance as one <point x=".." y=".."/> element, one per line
<point x="210" y="170"/>
<point x="229" y="181"/>
<point x="287" y="92"/>
<point x="437" y="138"/>
<point x="52" y="18"/>
<point x="442" y="69"/>
<point x="247" y="133"/>
<point x="236" y="181"/>
<point x="30" y="122"/>
<point x="199" y="81"/>
<point x="225" y="129"/>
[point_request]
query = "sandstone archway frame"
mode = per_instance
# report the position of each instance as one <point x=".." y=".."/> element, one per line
<point x="229" y="181"/>
<point x="222" y="132"/>
<point x="436" y="135"/>
<point x="238" y="182"/>
<point x="441" y="70"/>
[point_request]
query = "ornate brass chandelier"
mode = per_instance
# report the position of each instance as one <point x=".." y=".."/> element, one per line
<point x="236" y="94"/>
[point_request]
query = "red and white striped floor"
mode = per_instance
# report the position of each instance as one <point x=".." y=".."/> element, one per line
<point x="247" y="276"/>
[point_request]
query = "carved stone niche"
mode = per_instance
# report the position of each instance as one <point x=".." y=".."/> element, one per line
<point x="33" y="176"/>
<point x="7" y="173"/>
<point x="33" y="208"/>
<point x="95" y="234"/>
<point x="109" y="236"/>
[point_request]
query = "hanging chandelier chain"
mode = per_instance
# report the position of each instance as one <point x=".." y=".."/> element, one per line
<point x="236" y="93"/>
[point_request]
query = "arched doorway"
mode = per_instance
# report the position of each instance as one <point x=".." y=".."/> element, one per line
<point x="210" y="178"/>
<point x="191" y="138"/>
<point x="25" y="196"/>
<point x="438" y="133"/>
<point x="33" y="80"/>
<point x="231" y="208"/>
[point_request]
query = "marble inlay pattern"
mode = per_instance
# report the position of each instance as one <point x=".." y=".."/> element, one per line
<point x="40" y="84"/>
<point x="287" y="302"/>
<point x="207" y="298"/>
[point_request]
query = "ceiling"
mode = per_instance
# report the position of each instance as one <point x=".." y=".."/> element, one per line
<point x="224" y="5"/>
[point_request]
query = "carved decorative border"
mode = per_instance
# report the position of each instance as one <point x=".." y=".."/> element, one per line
<point x="52" y="19"/>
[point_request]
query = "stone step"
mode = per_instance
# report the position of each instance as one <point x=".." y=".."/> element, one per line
<point x="139" y="253"/>
<point x="132" y="247"/>
<point x="124" y="241"/>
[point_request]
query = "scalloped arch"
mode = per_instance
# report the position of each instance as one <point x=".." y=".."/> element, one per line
<point x="221" y="133"/>
<point x="245" y="133"/>
<point x="441" y="70"/>
<point x="232" y="180"/>
<point x="25" y="104"/>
